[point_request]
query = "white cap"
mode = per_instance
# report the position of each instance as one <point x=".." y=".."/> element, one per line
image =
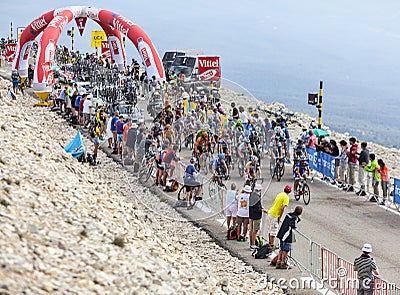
<point x="247" y="189"/>
<point x="367" y="248"/>
<point x="258" y="187"/>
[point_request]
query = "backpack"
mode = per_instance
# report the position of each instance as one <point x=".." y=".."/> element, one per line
<point x="262" y="252"/>
<point x="259" y="241"/>
<point x="232" y="233"/>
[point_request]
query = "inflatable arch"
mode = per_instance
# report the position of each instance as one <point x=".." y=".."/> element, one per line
<point x="53" y="22"/>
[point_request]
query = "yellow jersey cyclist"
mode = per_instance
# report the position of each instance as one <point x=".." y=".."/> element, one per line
<point x="252" y="169"/>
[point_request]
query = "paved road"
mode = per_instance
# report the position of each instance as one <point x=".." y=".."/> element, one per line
<point x="340" y="221"/>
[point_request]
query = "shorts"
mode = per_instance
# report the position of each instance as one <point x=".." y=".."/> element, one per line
<point x="231" y="210"/>
<point x="285" y="246"/>
<point x="120" y="137"/>
<point x="242" y="220"/>
<point x="273" y="225"/>
<point x="96" y="140"/>
<point x="255" y="224"/>
<point x="15" y="83"/>
<point x="86" y="117"/>
<point x="191" y="183"/>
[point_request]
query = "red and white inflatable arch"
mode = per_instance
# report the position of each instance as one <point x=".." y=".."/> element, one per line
<point x="53" y="22"/>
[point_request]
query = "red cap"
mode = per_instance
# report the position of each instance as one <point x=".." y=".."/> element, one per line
<point x="288" y="189"/>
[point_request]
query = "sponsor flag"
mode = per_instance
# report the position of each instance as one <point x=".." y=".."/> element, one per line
<point x="81" y="23"/>
<point x="397" y="191"/>
<point x="10" y="51"/>
<point x="209" y="68"/>
<point x="48" y="72"/>
<point x="321" y="162"/>
<point x="97" y="38"/>
<point x="76" y="147"/>
<point x="105" y="50"/>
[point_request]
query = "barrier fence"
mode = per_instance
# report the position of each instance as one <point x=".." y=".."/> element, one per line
<point x="324" y="265"/>
<point x="335" y="272"/>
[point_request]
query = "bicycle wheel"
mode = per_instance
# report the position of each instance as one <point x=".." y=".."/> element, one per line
<point x="277" y="172"/>
<point x="149" y="173"/>
<point x="306" y="194"/>
<point x="281" y="168"/>
<point x="192" y="199"/>
<point x="297" y="195"/>
<point x="212" y="188"/>
<point x="182" y="194"/>
<point x="272" y="168"/>
<point x="240" y="168"/>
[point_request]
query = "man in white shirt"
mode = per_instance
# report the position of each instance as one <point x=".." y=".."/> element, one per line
<point x="87" y="105"/>
<point x="242" y="217"/>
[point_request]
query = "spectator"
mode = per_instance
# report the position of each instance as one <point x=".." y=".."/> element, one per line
<point x="119" y="125"/>
<point x="242" y="218"/>
<point x="373" y="167"/>
<point x="113" y="129"/>
<point x="352" y="157"/>
<point x="15" y="80"/>
<point x="30" y="74"/>
<point x="312" y="140"/>
<point x="363" y="159"/>
<point x="87" y="106"/>
<point x="235" y="111"/>
<point x="255" y="214"/>
<point x="383" y="171"/>
<point x="366" y="269"/>
<point x="231" y="205"/>
<point x="275" y="213"/>
<point x="81" y="101"/>
<point x="285" y="236"/>
<point x="343" y="164"/>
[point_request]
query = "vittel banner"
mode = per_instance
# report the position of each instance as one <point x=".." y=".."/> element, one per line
<point x="209" y="68"/>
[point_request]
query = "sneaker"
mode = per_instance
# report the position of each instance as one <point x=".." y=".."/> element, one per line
<point x="363" y="194"/>
<point x="358" y="193"/>
<point x="197" y="198"/>
<point x="373" y="200"/>
<point x="351" y="189"/>
<point x="239" y="238"/>
<point x="242" y="239"/>
<point x="382" y="203"/>
<point x="253" y="247"/>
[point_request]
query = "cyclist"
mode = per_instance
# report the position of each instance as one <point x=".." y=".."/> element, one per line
<point x="219" y="168"/>
<point x="299" y="150"/>
<point x="276" y="142"/>
<point x="157" y="132"/>
<point x="254" y="143"/>
<point x="190" y="180"/>
<point x="300" y="170"/>
<point x="202" y="144"/>
<point x="225" y="148"/>
<point x="253" y="168"/>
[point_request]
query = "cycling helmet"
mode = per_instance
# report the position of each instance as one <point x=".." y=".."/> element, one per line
<point x="300" y="141"/>
<point x="254" y="158"/>
<point x="204" y="128"/>
<point x="239" y="121"/>
<point x="157" y="124"/>
<point x="221" y="156"/>
<point x="230" y="119"/>
<point x="193" y="160"/>
<point x="288" y="189"/>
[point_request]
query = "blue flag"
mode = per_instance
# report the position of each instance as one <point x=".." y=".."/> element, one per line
<point x="76" y="147"/>
<point x="397" y="191"/>
<point x="321" y="162"/>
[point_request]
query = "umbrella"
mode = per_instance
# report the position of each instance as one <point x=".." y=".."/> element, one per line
<point x="320" y="132"/>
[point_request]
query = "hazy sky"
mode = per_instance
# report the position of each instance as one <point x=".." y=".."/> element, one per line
<point x="279" y="49"/>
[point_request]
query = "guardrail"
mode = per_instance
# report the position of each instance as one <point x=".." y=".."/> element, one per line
<point x="333" y="271"/>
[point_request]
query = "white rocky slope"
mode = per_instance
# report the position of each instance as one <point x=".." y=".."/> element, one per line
<point x="60" y="222"/>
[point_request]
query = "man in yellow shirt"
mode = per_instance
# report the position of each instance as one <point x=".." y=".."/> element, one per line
<point x="275" y="213"/>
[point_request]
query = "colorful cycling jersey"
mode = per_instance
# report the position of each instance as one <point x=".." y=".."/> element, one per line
<point x="218" y="165"/>
<point x="301" y="167"/>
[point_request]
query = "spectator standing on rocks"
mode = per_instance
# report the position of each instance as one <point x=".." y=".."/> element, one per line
<point x="255" y="214"/>
<point x="285" y="236"/>
<point x="235" y="112"/>
<point x="87" y="106"/>
<point x="312" y="140"/>
<point x="275" y="214"/>
<point x="31" y="71"/>
<point x="231" y="205"/>
<point x="15" y="80"/>
<point x="373" y="167"/>
<point x="363" y="159"/>
<point x="113" y="129"/>
<point x="383" y="171"/>
<point x="119" y="125"/>
<point x="366" y="269"/>
<point x="81" y="101"/>
<point x="242" y="218"/>
<point x="352" y="157"/>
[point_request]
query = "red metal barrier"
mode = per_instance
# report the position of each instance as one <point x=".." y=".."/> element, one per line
<point x="381" y="287"/>
<point x="329" y="266"/>
<point x="347" y="277"/>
